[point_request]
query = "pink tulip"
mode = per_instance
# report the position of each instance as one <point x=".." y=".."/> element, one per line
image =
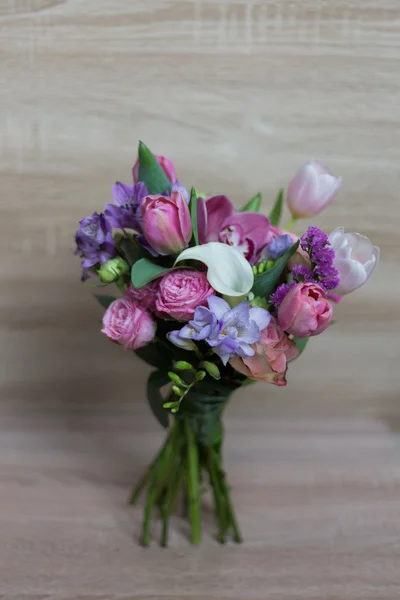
<point x="164" y="162"/>
<point x="311" y="190"/>
<point x="166" y="223"/>
<point x="305" y="311"/>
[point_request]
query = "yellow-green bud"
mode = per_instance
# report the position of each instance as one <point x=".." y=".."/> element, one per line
<point x="212" y="369"/>
<point x="261" y="302"/>
<point x="112" y="270"/>
<point x="200" y="375"/>
<point x="176" y="379"/>
<point x="177" y="390"/>
<point x="182" y="365"/>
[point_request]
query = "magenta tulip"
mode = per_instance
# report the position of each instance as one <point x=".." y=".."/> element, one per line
<point x="166" y="223"/>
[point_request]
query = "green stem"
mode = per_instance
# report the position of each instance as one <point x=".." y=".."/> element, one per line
<point x="231" y="514"/>
<point x="169" y="502"/>
<point x="291" y="224"/>
<point x="146" y="476"/>
<point x="193" y="485"/>
<point x="155" y="488"/>
<point x="218" y="498"/>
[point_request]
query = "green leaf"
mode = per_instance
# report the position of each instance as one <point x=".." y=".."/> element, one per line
<point x="144" y="270"/>
<point x="154" y="356"/>
<point x="130" y="249"/>
<point x="265" y="284"/>
<point x="156" y="380"/>
<point x="105" y="301"/>
<point x="253" y="205"/>
<point x="151" y="173"/>
<point x="193" y="215"/>
<point x="276" y="212"/>
<point x="301" y="343"/>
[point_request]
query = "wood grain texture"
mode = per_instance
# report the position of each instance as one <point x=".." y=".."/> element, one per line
<point x="238" y="94"/>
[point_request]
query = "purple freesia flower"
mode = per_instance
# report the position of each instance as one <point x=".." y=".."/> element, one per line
<point x="126" y="212"/>
<point x="278" y="246"/>
<point x="218" y="222"/>
<point x="229" y="331"/>
<point x="94" y="242"/>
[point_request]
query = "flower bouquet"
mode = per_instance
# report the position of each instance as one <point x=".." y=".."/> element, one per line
<point x="213" y="299"/>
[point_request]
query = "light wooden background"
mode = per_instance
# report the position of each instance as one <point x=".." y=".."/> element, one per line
<point x="238" y="93"/>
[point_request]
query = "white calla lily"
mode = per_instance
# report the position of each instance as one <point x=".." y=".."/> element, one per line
<point x="355" y="259"/>
<point x="229" y="273"/>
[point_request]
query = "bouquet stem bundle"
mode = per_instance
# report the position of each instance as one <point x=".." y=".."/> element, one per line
<point x="182" y="465"/>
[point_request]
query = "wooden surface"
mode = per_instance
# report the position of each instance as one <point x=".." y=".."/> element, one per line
<point x="238" y="94"/>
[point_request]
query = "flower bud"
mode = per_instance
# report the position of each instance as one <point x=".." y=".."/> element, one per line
<point x="166" y="223"/>
<point x="311" y="190"/>
<point x="113" y="269"/>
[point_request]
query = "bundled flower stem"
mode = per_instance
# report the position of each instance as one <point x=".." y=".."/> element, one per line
<point x="212" y="298"/>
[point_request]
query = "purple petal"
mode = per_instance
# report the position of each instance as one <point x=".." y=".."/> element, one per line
<point x="122" y="193"/>
<point x="178" y="187"/>
<point x="260" y="316"/>
<point x="174" y="338"/>
<point x="244" y="350"/>
<point x="279" y="245"/>
<point x="239" y="315"/>
<point x="218" y="306"/>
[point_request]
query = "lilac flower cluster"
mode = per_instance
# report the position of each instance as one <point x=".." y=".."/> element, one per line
<point x="229" y="331"/>
<point x="94" y="242"/>
<point x="316" y="243"/>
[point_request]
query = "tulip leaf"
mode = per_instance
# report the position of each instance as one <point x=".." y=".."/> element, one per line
<point x="193" y="215"/>
<point x="144" y="271"/>
<point x="105" y="301"/>
<point x="253" y="205"/>
<point x="151" y="172"/>
<point x="276" y="212"/>
<point x="157" y="380"/>
<point x="130" y="249"/>
<point x="265" y="284"/>
<point x="301" y="343"/>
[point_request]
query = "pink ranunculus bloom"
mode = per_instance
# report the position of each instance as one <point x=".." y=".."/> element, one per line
<point x="312" y="188"/>
<point x="128" y="323"/>
<point x="166" y="222"/>
<point x="245" y="231"/>
<point x="164" y="162"/>
<point x="181" y="291"/>
<point x="272" y="353"/>
<point x="146" y="296"/>
<point x="305" y="311"/>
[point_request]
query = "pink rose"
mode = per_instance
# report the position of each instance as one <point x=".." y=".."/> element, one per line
<point x="181" y="292"/>
<point x="166" y="222"/>
<point x="272" y="352"/>
<point x="128" y="324"/>
<point x="305" y="310"/>
<point x="146" y="296"/>
<point x="164" y="162"/>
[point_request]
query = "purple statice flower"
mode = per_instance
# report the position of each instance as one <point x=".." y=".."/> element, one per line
<point x="301" y="273"/>
<point x="229" y="331"/>
<point x="316" y="243"/>
<point x="94" y="242"/>
<point x="126" y="210"/>
<point x="278" y="246"/>
<point x="278" y="296"/>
